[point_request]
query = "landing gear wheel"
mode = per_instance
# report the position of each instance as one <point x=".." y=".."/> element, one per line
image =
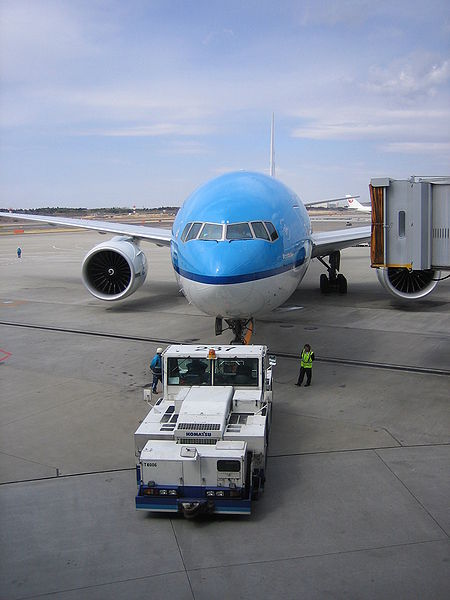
<point x="341" y="284"/>
<point x="324" y="284"/>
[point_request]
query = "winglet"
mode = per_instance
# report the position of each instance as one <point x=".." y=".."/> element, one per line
<point x="272" y="148"/>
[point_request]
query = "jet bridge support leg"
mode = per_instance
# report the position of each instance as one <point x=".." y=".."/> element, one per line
<point x="334" y="281"/>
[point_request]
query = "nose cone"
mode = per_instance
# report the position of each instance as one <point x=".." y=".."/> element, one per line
<point x="231" y="279"/>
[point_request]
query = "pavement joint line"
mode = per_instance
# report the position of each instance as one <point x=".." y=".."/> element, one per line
<point x="392" y="436"/>
<point x="68" y="475"/>
<point x="232" y="565"/>
<point x="97" y="585"/>
<point x="182" y="559"/>
<point x="319" y="452"/>
<point x="411" y="494"/>
<point x="317" y="555"/>
<point x="340" y="451"/>
<point x="305" y="415"/>
<point x="34" y="462"/>
<point x="324" y="359"/>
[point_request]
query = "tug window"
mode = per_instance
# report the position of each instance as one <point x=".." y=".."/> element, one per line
<point x="272" y="231"/>
<point x="188" y="371"/>
<point x="239" y="231"/>
<point x="260" y="231"/>
<point x="236" y="371"/>
<point x="230" y="466"/>
<point x="211" y="231"/>
<point x="193" y="232"/>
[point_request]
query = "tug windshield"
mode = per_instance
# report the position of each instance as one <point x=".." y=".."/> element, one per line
<point x="236" y="371"/>
<point x="188" y="371"/>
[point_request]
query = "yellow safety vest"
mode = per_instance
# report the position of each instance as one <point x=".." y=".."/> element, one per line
<point x="306" y="359"/>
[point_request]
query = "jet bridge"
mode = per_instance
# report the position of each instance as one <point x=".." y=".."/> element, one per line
<point x="410" y="241"/>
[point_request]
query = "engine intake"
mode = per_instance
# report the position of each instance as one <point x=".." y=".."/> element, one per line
<point x="406" y="284"/>
<point x="114" y="269"/>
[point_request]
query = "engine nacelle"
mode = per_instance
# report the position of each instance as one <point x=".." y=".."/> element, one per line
<point x="114" y="269"/>
<point x="406" y="284"/>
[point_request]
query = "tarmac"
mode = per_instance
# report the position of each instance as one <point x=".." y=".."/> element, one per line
<point x="356" y="503"/>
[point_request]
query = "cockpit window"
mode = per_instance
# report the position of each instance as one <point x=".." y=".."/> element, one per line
<point x="211" y="231"/>
<point x="193" y="232"/>
<point x="185" y="231"/>
<point x="259" y="230"/>
<point x="239" y="231"/>
<point x="272" y="231"/>
<point x="234" y="231"/>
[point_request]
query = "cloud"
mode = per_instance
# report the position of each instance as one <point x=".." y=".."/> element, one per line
<point x="217" y="35"/>
<point x="402" y="104"/>
<point x="39" y="38"/>
<point x="155" y="130"/>
<point x="439" y="148"/>
<point x="414" y="76"/>
<point x="331" y="13"/>
<point x="185" y="148"/>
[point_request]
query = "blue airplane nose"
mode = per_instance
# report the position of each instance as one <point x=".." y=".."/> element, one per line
<point x="235" y="279"/>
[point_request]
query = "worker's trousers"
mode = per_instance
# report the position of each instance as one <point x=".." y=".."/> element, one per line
<point x="302" y="375"/>
<point x="156" y="377"/>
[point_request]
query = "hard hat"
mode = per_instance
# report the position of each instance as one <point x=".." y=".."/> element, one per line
<point x="158" y="350"/>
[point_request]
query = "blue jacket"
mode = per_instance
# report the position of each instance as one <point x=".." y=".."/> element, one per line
<point x="156" y="364"/>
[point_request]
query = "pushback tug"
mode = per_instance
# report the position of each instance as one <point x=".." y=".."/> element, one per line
<point x="203" y="445"/>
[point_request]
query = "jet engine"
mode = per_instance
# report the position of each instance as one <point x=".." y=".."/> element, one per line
<point x="406" y="284"/>
<point x="114" y="269"/>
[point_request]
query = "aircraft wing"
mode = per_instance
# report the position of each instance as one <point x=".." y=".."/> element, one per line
<point x="156" y="235"/>
<point x="325" y="200"/>
<point x="325" y="242"/>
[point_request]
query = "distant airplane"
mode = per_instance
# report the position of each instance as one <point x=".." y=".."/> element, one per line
<point x="240" y="245"/>
<point x="353" y="203"/>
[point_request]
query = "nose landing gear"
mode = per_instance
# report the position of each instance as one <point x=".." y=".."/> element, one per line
<point x="333" y="282"/>
<point x="242" y="329"/>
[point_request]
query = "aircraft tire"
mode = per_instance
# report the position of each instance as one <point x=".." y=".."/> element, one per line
<point x="342" y="284"/>
<point x="324" y="284"/>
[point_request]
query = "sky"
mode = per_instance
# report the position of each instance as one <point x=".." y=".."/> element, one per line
<point x="139" y="102"/>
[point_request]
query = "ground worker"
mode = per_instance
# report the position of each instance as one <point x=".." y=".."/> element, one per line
<point x="306" y="360"/>
<point x="156" y="368"/>
<point x="19" y="252"/>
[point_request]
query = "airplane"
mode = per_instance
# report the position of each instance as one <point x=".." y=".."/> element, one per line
<point x="352" y="202"/>
<point x="240" y="246"/>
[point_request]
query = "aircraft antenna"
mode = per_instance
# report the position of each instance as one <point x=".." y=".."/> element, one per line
<point x="272" y="147"/>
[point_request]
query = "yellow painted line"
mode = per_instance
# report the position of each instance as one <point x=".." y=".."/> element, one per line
<point x="12" y="303"/>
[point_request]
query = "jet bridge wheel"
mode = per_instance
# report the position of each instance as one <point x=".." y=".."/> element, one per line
<point x="333" y="282"/>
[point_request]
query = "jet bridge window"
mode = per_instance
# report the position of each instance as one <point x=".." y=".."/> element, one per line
<point x="236" y="371"/>
<point x="211" y="231"/>
<point x="188" y="371"/>
<point x="239" y="231"/>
